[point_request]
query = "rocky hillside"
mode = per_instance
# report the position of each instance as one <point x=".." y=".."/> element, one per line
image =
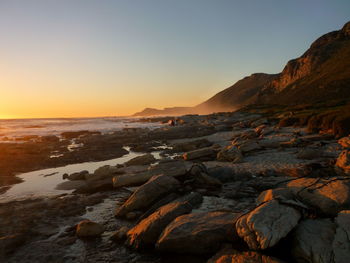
<point x="322" y="72"/>
<point x="243" y="92"/>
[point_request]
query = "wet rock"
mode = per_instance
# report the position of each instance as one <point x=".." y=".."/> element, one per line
<point x="345" y="142"/>
<point x="148" y="193"/>
<point x="230" y="154"/>
<point x="313" y="241"/>
<point x="229" y="255"/>
<point x="78" y="176"/>
<point x="71" y="185"/>
<point x="120" y="234"/>
<point x="327" y="197"/>
<point x="343" y="161"/>
<point x="267" y="224"/>
<point x="103" y="172"/>
<point x="88" y="228"/>
<point x="200" y="154"/>
<point x="141" y="160"/>
<point x="198" y="233"/>
<point x="149" y="229"/>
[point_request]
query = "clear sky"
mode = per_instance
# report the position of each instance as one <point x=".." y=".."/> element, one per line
<point x="65" y="58"/>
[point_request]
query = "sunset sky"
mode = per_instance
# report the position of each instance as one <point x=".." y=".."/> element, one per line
<point x="78" y="58"/>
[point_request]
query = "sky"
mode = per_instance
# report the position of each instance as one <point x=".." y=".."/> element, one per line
<point x="87" y="58"/>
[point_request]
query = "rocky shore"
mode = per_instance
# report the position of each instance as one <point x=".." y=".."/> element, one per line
<point x="246" y="186"/>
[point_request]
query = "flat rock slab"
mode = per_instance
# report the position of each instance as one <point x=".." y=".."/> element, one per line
<point x="198" y="233"/>
<point x="267" y="224"/>
<point x="148" y="193"/>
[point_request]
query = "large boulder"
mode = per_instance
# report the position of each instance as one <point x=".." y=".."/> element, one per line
<point x="200" y="154"/>
<point x="171" y="168"/>
<point x="76" y="176"/>
<point x="148" y="193"/>
<point x="323" y="240"/>
<point x="267" y="224"/>
<point x="146" y="232"/>
<point x="341" y="242"/>
<point x="141" y="160"/>
<point x="313" y="241"/>
<point x="230" y="154"/>
<point x="198" y="233"/>
<point x="229" y="255"/>
<point x="343" y="161"/>
<point x="327" y="197"/>
<point x="88" y="228"/>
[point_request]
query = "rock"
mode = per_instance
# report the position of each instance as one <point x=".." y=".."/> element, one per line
<point x="172" y="168"/>
<point x="249" y="146"/>
<point x="148" y="193"/>
<point x="267" y="224"/>
<point x="341" y="242"/>
<point x="198" y="233"/>
<point x="132" y="215"/>
<point x="146" y="233"/>
<point x="224" y="174"/>
<point x="345" y="142"/>
<point x="200" y="154"/>
<point x="120" y="234"/>
<point x="309" y="154"/>
<point x="103" y="172"/>
<point x="203" y="179"/>
<point x="282" y="194"/>
<point x="250" y="134"/>
<point x="88" y="228"/>
<point x="10" y="243"/>
<point x="230" y="154"/>
<point x="343" y="161"/>
<point x="268" y="143"/>
<point x="326" y="197"/>
<point x="71" y="185"/>
<point x="229" y="255"/>
<point x="141" y="160"/>
<point x="95" y="186"/>
<point x="191" y="146"/>
<point x="78" y="176"/>
<point x="322" y="240"/>
<point x="312" y="241"/>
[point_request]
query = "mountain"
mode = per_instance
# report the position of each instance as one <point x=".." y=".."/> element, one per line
<point x="321" y="73"/>
<point x="243" y="92"/>
<point x="172" y="111"/>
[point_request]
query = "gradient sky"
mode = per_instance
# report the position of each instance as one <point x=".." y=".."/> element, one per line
<point x="65" y="58"/>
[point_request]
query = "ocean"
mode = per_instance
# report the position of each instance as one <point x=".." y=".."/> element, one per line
<point x="14" y="128"/>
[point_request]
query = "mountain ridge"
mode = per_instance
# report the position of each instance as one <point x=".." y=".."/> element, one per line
<point x="321" y="72"/>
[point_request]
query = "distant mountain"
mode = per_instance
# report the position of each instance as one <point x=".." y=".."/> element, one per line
<point x="321" y="73"/>
<point x="166" y="111"/>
